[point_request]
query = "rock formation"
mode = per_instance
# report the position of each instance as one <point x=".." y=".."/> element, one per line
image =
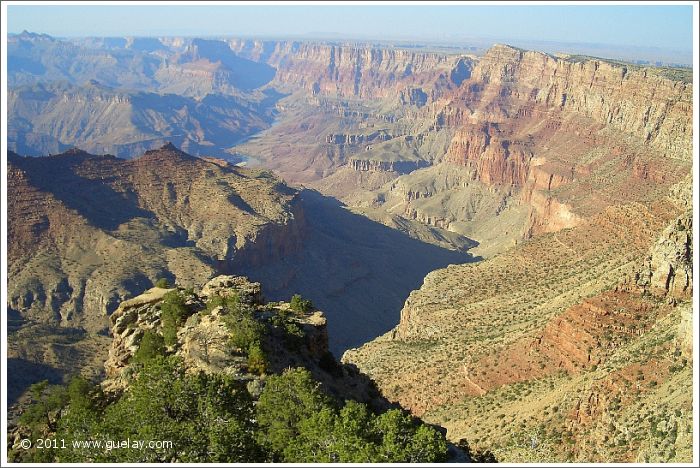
<point x="556" y="133"/>
<point x="88" y="230"/>
<point x="203" y="341"/>
<point x="668" y="269"/>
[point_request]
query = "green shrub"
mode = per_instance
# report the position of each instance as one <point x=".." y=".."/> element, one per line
<point x="245" y="330"/>
<point x="206" y="419"/>
<point x="212" y="418"/>
<point x="287" y="400"/>
<point x="300" y="423"/>
<point x="231" y="304"/>
<point x="152" y="345"/>
<point x="162" y="283"/>
<point x="257" y="363"/>
<point x="239" y="319"/>
<point x="300" y="305"/>
<point x="174" y="312"/>
<point x="79" y="391"/>
<point x="45" y="401"/>
<point x="294" y="336"/>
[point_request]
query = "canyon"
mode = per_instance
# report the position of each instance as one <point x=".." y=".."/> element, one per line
<point x="502" y="242"/>
<point x="167" y="214"/>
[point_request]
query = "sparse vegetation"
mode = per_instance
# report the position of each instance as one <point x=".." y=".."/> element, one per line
<point x="300" y="305"/>
<point x="162" y="283"/>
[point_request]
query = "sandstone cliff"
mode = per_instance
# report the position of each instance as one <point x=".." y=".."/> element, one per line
<point x="668" y="269"/>
<point x="565" y="136"/>
<point x="631" y="99"/>
<point x="553" y="125"/>
<point x="357" y="70"/>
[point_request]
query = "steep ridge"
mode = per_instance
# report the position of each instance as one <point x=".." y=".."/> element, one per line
<point x="558" y="129"/>
<point x="576" y="344"/>
<point x="88" y="215"/>
<point x="203" y="342"/>
<point x="635" y="102"/>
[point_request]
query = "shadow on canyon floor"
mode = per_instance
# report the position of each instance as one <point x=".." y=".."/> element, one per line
<point x="357" y="271"/>
<point x="23" y="373"/>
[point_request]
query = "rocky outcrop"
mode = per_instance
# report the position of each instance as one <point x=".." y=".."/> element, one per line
<point x="412" y="212"/>
<point x="684" y="341"/>
<point x="358" y="139"/>
<point x="667" y="270"/>
<point x="129" y="322"/>
<point x="547" y="214"/>
<point x="495" y="160"/>
<point x="413" y="97"/>
<point x="203" y="341"/>
<point x="400" y="167"/>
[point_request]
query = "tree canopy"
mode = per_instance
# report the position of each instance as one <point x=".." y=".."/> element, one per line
<point x="212" y="418"/>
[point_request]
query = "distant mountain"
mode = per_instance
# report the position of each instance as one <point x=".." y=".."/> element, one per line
<point x="38" y="57"/>
<point x="192" y="68"/>
<point x="50" y="118"/>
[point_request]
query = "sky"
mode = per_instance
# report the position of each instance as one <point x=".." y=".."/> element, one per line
<point x="668" y="27"/>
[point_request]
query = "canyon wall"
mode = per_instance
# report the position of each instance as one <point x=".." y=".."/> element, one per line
<point x="505" y="83"/>
<point x="634" y="100"/>
<point x="556" y="132"/>
<point x="360" y="70"/>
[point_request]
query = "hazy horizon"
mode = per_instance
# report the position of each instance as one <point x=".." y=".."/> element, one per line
<point x="630" y="32"/>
